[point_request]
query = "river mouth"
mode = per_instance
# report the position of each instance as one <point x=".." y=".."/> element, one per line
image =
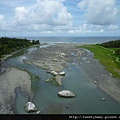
<point x="88" y="95"/>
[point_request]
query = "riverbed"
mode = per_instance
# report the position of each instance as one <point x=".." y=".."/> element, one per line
<point x="89" y="95"/>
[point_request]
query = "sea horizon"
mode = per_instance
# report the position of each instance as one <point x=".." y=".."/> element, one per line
<point x="73" y="39"/>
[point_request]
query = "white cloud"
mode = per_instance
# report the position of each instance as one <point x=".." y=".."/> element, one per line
<point x="52" y="17"/>
<point x="2" y="23"/>
<point x="1" y="18"/>
<point x="24" y="16"/>
<point x="45" y="12"/>
<point x="100" y="11"/>
<point x="112" y="27"/>
<point x="93" y="29"/>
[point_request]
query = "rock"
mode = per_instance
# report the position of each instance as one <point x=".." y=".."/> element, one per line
<point x="72" y="54"/>
<point x="62" y="73"/>
<point x="55" y="60"/>
<point x="2" y="70"/>
<point x="95" y="82"/>
<point x="63" y="54"/>
<point x="38" y="112"/>
<point x="73" y="64"/>
<point x="103" y="99"/>
<point x="54" y="73"/>
<point x="110" y="74"/>
<point x="30" y="107"/>
<point x="48" y="80"/>
<point x="66" y="93"/>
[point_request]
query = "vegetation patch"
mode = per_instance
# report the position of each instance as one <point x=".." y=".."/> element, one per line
<point x="9" y="45"/>
<point x="107" y="57"/>
<point x="34" y="82"/>
<point x="53" y="81"/>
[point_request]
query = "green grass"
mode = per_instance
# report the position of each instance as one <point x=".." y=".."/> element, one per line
<point x="106" y="57"/>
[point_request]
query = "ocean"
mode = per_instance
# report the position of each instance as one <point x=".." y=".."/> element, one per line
<point x="75" y="39"/>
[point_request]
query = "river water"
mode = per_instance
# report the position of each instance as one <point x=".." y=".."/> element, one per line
<point x="88" y="96"/>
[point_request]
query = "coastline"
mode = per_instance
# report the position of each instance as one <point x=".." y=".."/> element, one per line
<point x="55" y="57"/>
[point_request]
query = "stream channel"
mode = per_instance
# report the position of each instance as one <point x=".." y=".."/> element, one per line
<point x="87" y="100"/>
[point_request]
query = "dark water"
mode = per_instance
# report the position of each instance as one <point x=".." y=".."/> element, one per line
<point x="76" y="39"/>
<point x="88" y="96"/>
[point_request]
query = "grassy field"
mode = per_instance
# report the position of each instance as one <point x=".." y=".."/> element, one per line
<point x="107" y="57"/>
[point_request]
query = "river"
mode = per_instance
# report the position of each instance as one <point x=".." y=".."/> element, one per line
<point x="88" y="96"/>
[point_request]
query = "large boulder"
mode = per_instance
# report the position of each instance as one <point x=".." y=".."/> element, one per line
<point x="30" y="107"/>
<point x="66" y="93"/>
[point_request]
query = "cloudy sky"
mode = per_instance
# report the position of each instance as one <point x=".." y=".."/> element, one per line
<point x="59" y="17"/>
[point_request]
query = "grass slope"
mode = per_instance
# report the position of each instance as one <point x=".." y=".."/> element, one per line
<point x="107" y="57"/>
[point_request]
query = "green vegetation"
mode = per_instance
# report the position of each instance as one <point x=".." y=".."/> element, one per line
<point x="118" y="52"/>
<point x="35" y="82"/>
<point x="107" y="57"/>
<point x="9" y="45"/>
<point x="53" y="81"/>
<point x="112" y="44"/>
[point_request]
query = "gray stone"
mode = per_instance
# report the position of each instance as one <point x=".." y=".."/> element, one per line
<point x="66" y="93"/>
<point x="103" y="99"/>
<point x="54" y="73"/>
<point x="30" y="107"/>
<point x="38" y="112"/>
<point x="73" y="64"/>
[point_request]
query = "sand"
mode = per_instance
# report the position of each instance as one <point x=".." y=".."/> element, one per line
<point x="9" y="81"/>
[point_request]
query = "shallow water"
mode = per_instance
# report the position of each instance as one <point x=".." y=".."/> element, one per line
<point x="88" y="96"/>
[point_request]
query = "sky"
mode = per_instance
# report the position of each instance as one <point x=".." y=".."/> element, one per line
<point x="59" y="17"/>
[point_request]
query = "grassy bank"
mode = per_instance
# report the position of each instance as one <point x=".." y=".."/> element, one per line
<point x="107" y="57"/>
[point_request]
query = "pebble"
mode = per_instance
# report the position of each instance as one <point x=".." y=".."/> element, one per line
<point x="38" y="112"/>
<point x="103" y="99"/>
<point x="73" y="64"/>
<point x="94" y="82"/>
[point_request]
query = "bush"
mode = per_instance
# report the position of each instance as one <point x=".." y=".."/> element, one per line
<point x="117" y="52"/>
<point x="111" y="44"/>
